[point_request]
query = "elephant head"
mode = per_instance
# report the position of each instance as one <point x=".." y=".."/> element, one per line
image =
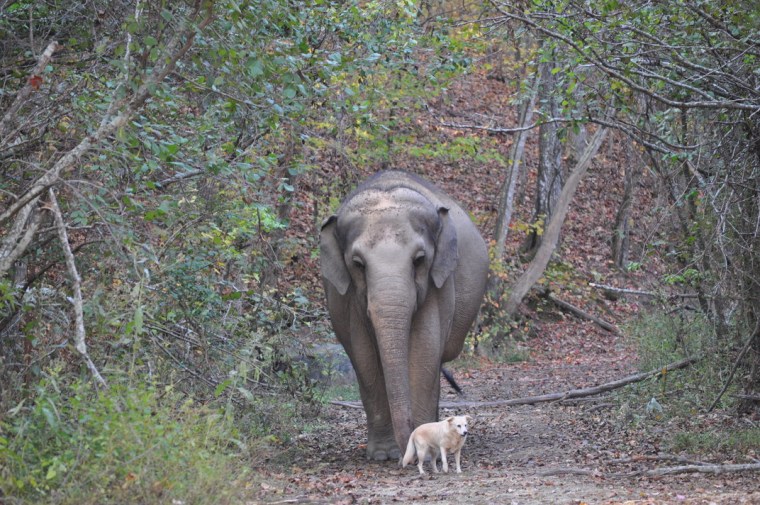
<point x="382" y="256"/>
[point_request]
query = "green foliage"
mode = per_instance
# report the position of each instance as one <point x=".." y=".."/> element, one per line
<point x="134" y="443"/>
<point x="662" y="339"/>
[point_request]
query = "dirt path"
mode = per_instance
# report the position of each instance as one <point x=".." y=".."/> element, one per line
<point x="512" y="453"/>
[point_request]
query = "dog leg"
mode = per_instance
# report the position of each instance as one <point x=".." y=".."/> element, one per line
<point x="457" y="456"/>
<point x="421" y="453"/>
<point x="444" y="463"/>
<point x="434" y="461"/>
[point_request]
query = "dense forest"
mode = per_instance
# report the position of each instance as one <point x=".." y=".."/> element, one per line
<point x="166" y="167"/>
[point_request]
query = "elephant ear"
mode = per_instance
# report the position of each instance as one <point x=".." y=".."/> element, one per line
<point x="446" y="252"/>
<point x="331" y="258"/>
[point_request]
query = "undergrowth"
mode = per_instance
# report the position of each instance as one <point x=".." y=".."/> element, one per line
<point x="680" y="399"/>
<point x="132" y="443"/>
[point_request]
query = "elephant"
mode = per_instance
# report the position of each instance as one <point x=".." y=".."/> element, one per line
<point x="404" y="271"/>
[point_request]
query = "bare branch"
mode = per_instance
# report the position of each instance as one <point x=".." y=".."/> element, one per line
<point x="604" y="65"/>
<point x="76" y="285"/>
<point x="19" y="236"/>
<point x="110" y="123"/>
<point x="25" y="92"/>
<point x="755" y="333"/>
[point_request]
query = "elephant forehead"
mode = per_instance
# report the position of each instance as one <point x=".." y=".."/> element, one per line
<point x="397" y="199"/>
<point x="400" y="216"/>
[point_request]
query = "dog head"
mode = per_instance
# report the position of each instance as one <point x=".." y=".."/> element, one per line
<point x="459" y="423"/>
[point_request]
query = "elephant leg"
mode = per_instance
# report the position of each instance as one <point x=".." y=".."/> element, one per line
<point x="469" y="282"/>
<point x="381" y="443"/>
<point x="426" y="346"/>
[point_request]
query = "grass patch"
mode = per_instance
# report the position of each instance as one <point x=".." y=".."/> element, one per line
<point x="721" y="441"/>
<point x="343" y="392"/>
<point x="133" y="443"/>
<point x="661" y="339"/>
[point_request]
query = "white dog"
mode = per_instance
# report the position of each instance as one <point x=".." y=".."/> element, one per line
<point x="435" y="439"/>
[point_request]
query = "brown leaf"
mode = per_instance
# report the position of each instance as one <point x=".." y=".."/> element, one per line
<point x="35" y="81"/>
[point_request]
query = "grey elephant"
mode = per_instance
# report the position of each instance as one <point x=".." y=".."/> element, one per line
<point x="404" y="270"/>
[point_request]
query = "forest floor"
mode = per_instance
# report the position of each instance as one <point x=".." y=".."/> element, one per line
<point x="591" y="451"/>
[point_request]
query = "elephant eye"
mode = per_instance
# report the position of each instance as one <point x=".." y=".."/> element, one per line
<point x="419" y="259"/>
<point x="358" y="263"/>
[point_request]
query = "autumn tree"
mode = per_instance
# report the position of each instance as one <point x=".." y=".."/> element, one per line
<point x="683" y="78"/>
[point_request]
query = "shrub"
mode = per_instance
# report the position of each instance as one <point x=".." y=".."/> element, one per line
<point x="133" y="443"/>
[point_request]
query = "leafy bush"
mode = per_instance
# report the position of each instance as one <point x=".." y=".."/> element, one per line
<point x="133" y="443"/>
<point x="662" y="338"/>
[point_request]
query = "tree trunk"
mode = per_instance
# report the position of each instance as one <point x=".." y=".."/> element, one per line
<point x="507" y="194"/>
<point x="549" y="181"/>
<point x="621" y="232"/>
<point x="551" y="235"/>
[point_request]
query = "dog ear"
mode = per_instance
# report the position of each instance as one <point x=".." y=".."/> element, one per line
<point x="469" y="418"/>
<point x="449" y="420"/>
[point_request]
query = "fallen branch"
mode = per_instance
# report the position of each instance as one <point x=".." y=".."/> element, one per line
<point x="637" y="292"/>
<point x="568" y="471"/>
<point x="581" y="313"/>
<point x="711" y="469"/>
<point x="750" y="398"/>
<point x="625" y="291"/>
<point x="658" y="457"/>
<point x="657" y="472"/>
<point x="566" y="395"/>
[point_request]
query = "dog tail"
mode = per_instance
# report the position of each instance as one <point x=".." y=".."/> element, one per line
<point x="409" y="454"/>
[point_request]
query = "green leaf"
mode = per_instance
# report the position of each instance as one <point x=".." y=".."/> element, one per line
<point x="138" y="320"/>
<point x="221" y="387"/>
<point x="255" y="67"/>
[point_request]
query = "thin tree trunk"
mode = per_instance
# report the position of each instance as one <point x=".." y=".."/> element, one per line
<point x="549" y="181"/>
<point x="551" y="234"/>
<point x="507" y="195"/>
<point x="620" y="235"/>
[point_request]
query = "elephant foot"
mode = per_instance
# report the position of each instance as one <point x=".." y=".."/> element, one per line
<point x="383" y="450"/>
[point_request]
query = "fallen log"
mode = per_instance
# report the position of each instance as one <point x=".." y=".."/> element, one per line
<point x="656" y="472"/>
<point x="713" y="469"/>
<point x="581" y="313"/>
<point x="565" y="395"/>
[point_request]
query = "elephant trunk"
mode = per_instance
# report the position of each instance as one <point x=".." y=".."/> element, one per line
<point x="390" y="306"/>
